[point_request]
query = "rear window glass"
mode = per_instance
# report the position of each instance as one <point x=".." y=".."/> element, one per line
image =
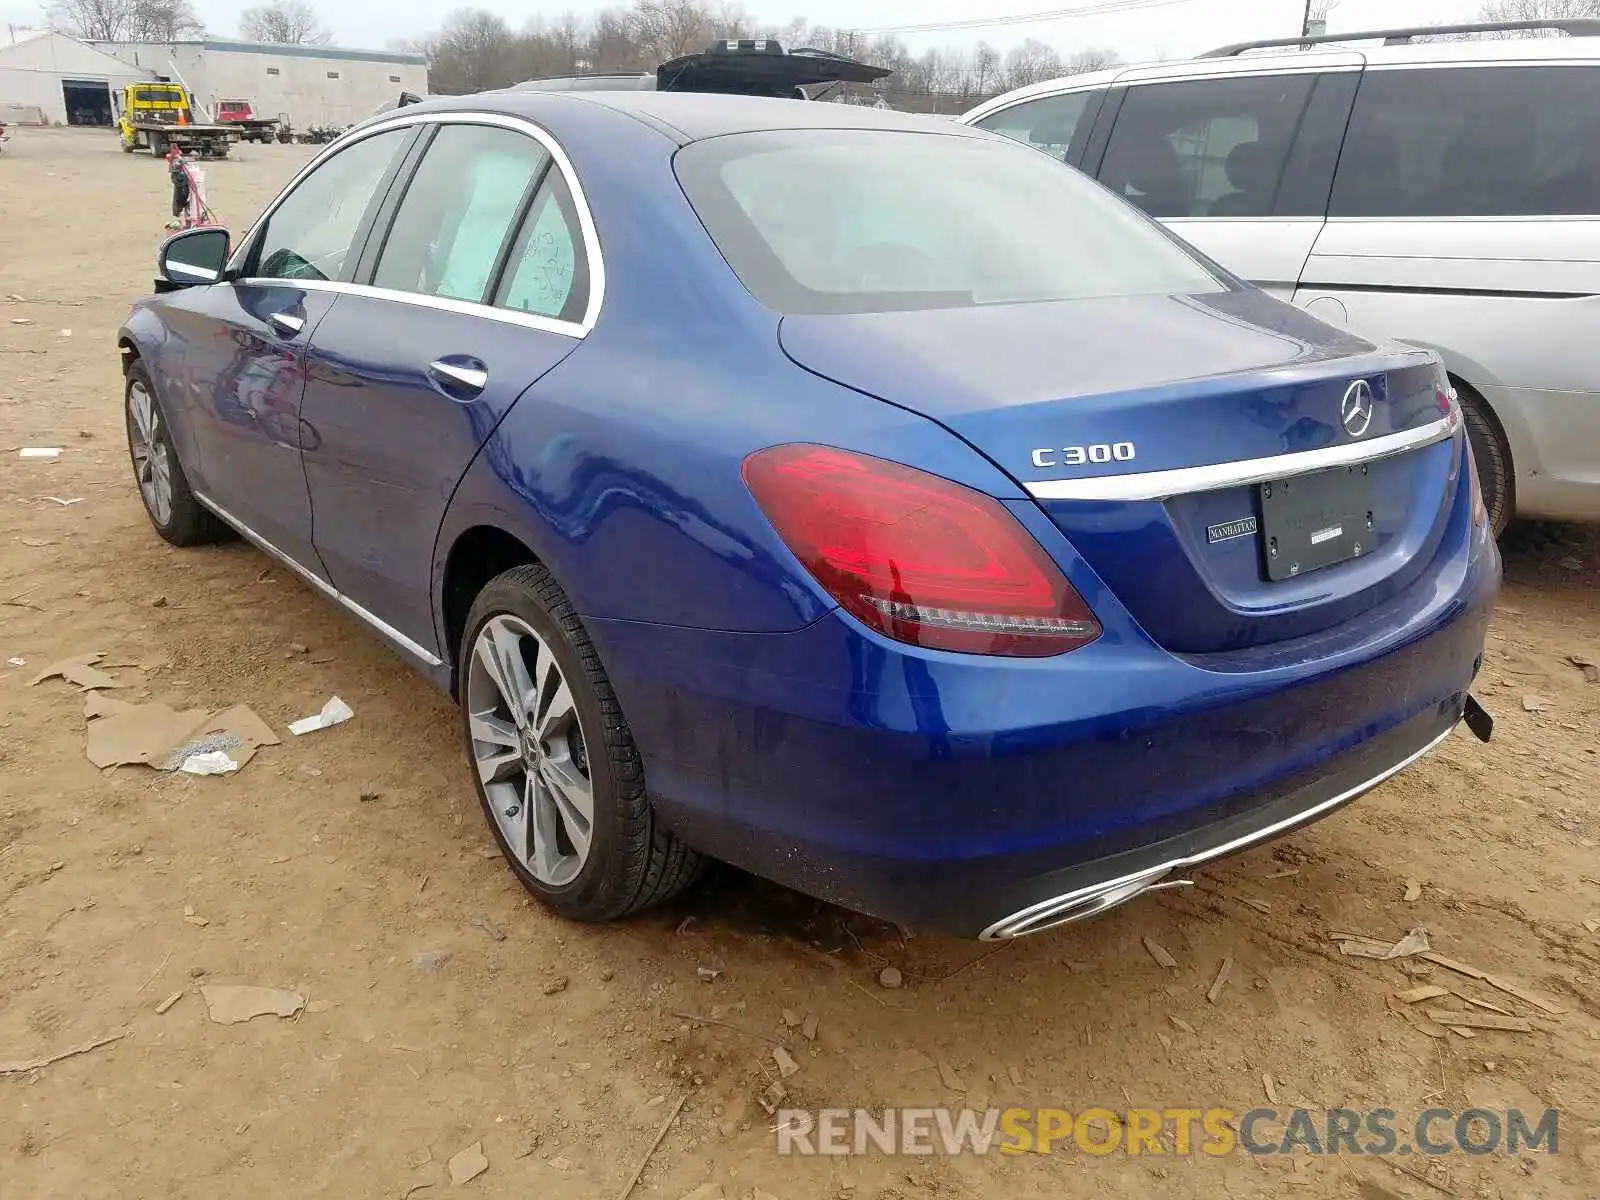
<point x="1478" y="141"/>
<point x="854" y="221"/>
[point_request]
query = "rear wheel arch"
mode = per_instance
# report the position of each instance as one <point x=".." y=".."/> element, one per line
<point x="479" y="554"/>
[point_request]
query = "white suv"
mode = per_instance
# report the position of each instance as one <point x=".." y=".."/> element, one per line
<point x="1446" y="194"/>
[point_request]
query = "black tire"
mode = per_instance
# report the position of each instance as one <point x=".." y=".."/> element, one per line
<point x="189" y="523"/>
<point x="1492" y="457"/>
<point x="632" y="861"/>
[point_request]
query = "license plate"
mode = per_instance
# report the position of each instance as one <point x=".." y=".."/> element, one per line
<point x="1313" y="521"/>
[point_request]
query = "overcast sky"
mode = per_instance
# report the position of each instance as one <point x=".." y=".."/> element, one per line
<point x="1175" y="30"/>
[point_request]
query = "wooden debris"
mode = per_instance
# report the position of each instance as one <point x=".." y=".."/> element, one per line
<point x="1480" y="1021"/>
<point x="1592" y="925"/>
<point x="35" y="1064"/>
<point x="165" y="1005"/>
<point x="1267" y="1086"/>
<point x="1451" y="964"/>
<point x="1220" y="982"/>
<point x="1462" y="1031"/>
<point x="699" y="1020"/>
<point x="1428" y="991"/>
<point x="808" y="1029"/>
<point x="633" y="1180"/>
<point x="1159" y="953"/>
<point x="948" y="1077"/>
<point x="1285" y="873"/>
<point x="1180" y="1023"/>
<point x="1015" y="1076"/>
<point x="1260" y="906"/>
<point x="1413" y="891"/>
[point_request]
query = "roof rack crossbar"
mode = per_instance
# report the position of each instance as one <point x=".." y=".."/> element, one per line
<point x="1576" y="27"/>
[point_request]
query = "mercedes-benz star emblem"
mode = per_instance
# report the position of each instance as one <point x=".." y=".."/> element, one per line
<point x="1356" y="409"/>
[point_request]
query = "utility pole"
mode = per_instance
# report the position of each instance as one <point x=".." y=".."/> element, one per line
<point x="1305" y="25"/>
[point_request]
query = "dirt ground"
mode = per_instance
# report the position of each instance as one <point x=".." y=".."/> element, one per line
<point x="353" y="866"/>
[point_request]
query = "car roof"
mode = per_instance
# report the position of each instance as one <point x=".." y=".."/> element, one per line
<point x="691" y="116"/>
<point x="1330" y="56"/>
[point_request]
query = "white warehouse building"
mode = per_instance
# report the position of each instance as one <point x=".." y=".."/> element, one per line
<point x="304" y="85"/>
<point x="48" y="78"/>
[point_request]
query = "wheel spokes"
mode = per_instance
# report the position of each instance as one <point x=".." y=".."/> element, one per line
<point x="524" y="729"/>
<point x="573" y="796"/>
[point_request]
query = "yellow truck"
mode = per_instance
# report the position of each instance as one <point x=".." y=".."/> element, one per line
<point x="155" y="116"/>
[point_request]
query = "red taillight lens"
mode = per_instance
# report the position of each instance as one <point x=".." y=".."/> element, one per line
<point x="916" y="557"/>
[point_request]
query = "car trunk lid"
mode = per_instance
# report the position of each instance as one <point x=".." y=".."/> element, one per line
<point x="1196" y="450"/>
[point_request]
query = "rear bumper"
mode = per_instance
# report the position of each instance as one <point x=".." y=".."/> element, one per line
<point x="1085" y="889"/>
<point x="956" y="792"/>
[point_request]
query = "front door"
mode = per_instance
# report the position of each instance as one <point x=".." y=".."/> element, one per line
<point x="479" y="290"/>
<point x="236" y="364"/>
<point x="240" y="345"/>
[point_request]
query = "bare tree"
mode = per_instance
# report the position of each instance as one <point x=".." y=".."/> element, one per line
<point x="162" y="21"/>
<point x="92" y="20"/>
<point x="1538" y="10"/>
<point x="664" y="29"/>
<point x="1094" y="58"/>
<point x="474" y="51"/>
<point x="1031" y="62"/>
<point x="292" y="22"/>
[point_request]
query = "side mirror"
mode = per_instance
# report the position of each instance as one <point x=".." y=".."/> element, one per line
<point x="194" y="257"/>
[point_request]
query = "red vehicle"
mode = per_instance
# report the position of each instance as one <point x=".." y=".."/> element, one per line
<point x="239" y="114"/>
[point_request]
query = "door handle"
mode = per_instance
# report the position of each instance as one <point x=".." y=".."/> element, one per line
<point x="286" y="323"/>
<point x="459" y="377"/>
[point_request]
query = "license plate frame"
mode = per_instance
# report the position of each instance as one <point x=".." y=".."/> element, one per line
<point x="1315" y="520"/>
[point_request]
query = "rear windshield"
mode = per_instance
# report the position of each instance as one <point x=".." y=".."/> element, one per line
<point x="158" y="93"/>
<point x="859" y="221"/>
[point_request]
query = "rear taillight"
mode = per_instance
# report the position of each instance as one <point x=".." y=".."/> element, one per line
<point x="916" y="557"/>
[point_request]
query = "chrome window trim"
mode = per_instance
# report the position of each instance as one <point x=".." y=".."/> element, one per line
<point x="580" y="204"/>
<point x="1163" y="485"/>
<point x="415" y="649"/>
<point x="467" y="308"/>
<point x="1037" y="917"/>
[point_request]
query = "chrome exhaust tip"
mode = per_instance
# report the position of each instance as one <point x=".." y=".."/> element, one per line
<point x="1080" y="905"/>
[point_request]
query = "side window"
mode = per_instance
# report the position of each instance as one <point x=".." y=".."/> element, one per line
<point x="547" y="273"/>
<point x="458" y="211"/>
<point x="1479" y="141"/>
<point x="1058" y="125"/>
<point x="1206" y="148"/>
<point x="308" y="236"/>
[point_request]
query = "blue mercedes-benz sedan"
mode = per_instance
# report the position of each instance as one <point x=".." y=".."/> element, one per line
<point x="867" y="501"/>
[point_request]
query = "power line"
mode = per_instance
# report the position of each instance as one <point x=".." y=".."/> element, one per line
<point x="1061" y="14"/>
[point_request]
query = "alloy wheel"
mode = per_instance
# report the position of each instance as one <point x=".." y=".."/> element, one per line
<point x="152" y="465"/>
<point x="529" y="749"/>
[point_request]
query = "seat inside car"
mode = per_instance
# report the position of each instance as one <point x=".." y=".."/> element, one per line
<point x="1251" y="172"/>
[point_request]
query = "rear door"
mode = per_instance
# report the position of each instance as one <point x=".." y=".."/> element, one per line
<point x="1240" y="165"/>
<point x="479" y="286"/>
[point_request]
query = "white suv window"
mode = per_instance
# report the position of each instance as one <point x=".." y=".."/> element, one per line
<point x="1479" y="141"/>
<point x="1054" y="124"/>
<point x="1206" y="148"/>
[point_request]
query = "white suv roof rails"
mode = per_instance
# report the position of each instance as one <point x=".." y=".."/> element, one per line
<point x="1404" y="36"/>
